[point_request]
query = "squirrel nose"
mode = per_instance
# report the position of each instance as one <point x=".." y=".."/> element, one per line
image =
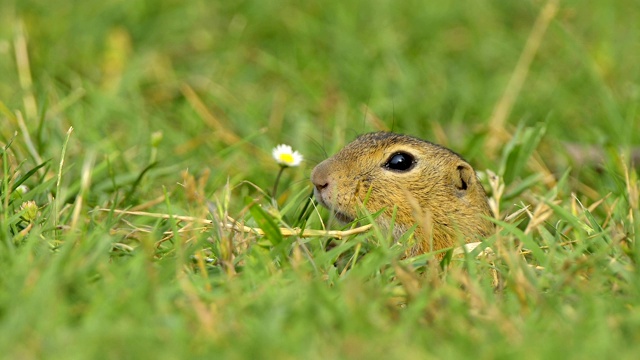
<point x="320" y="176"/>
<point x="321" y="186"/>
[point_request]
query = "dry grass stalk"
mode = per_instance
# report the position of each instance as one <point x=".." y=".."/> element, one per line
<point x="233" y="225"/>
<point x="502" y="110"/>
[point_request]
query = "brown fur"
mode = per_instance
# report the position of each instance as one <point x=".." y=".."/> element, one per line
<point x="441" y="193"/>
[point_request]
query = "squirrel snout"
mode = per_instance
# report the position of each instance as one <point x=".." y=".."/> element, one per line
<point x="320" y="177"/>
<point x="321" y="186"/>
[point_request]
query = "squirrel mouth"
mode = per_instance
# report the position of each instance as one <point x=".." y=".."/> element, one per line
<point x="339" y="215"/>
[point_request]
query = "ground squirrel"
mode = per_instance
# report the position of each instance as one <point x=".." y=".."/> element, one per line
<point x="427" y="184"/>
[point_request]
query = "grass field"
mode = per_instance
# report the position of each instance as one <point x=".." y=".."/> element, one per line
<point x="172" y="107"/>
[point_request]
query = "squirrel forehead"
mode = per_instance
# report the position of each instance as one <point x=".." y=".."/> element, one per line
<point x="378" y="146"/>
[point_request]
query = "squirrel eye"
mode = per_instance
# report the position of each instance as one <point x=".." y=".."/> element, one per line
<point x="400" y="161"/>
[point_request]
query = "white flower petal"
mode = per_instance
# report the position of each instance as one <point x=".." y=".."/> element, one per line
<point x="285" y="156"/>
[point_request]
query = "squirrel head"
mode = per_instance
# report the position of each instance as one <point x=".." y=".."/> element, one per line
<point x="423" y="183"/>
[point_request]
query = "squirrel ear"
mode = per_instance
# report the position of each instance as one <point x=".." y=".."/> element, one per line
<point x="464" y="176"/>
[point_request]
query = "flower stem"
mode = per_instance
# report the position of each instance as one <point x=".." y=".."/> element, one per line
<point x="275" y="186"/>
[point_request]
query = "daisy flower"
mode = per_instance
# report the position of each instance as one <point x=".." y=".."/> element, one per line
<point x="285" y="156"/>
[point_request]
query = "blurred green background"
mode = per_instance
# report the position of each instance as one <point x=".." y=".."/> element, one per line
<point x="220" y="83"/>
<point x="301" y="73"/>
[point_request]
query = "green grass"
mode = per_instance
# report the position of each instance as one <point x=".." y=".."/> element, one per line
<point x="175" y="107"/>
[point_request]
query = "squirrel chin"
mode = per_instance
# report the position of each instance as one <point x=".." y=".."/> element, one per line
<point x="342" y="217"/>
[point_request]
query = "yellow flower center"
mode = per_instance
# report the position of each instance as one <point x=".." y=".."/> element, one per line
<point x="286" y="158"/>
